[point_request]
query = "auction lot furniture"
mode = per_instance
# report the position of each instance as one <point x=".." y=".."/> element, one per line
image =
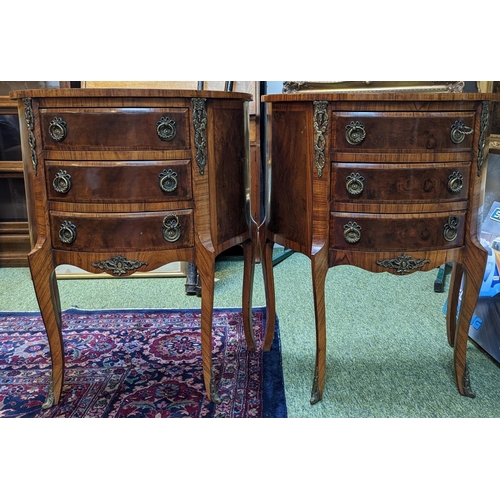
<point x="120" y="181"/>
<point x="382" y="181"/>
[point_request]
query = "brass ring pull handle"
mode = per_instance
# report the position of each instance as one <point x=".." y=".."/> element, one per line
<point x="171" y="228"/>
<point x="168" y="180"/>
<point x="459" y="130"/>
<point x="354" y="183"/>
<point x="67" y="232"/>
<point x="352" y="232"/>
<point x="355" y="133"/>
<point x="62" y="182"/>
<point x="455" y="182"/>
<point x="451" y="228"/>
<point x="57" y="129"/>
<point x="166" y="128"/>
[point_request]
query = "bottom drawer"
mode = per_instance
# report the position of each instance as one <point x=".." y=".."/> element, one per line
<point x="139" y="231"/>
<point x="373" y="232"/>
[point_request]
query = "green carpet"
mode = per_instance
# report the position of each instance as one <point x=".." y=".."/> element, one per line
<point x="387" y="353"/>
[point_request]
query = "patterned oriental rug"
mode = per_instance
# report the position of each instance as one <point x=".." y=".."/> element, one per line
<point x="144" y="363"/>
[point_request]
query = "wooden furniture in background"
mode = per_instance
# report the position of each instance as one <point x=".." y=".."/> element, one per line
<point x="14" y="234"/>
<point x="382" y="181"/>
<point x="120" y="181"/>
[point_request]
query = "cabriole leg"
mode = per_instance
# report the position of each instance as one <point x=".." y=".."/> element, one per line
<point x="47" y="294"/>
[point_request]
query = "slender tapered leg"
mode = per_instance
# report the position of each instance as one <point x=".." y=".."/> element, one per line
<point x="47" y="294"/>
<point x="319" y="266"/>
<point x="206" y="269"/>
<point x="267" y="270"/>
<point x="473" y="270"/>
<point x="453" y="295"/>
<point x="248" y="277"/>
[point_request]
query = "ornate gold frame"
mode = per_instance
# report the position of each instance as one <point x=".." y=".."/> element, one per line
<point x="495" y="112"/>
<point x="346" y="86"/>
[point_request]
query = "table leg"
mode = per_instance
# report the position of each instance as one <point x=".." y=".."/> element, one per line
<point x="319" y="266"/>
<point x="248" y="277"/>
<point x="206" y="269"/>
<point x="268" y="274"/>
<point x="47" y="293"/>
<point x="473" y="269"/>
<point x="452" y="306"/>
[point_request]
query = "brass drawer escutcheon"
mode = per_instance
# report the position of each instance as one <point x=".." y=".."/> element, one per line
<point x="355" y="183"/>
<point x="355" y="133"/>
<point x="67" y="232"/>
<point x="455" y="182"/>
<point x="352" y="232"/>
<point x="459" y="130"/>
<point x="451" y="228"/>
<point x="168" y="180"/>
<point x="57" y="129"/>
<point x="62" y="182"/>
<point x="166" y="128"/>
<point x="171" y="228"/>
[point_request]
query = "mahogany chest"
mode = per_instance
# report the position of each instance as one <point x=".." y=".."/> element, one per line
<point x="120" y="181"/>
<point x="383" y="181"/>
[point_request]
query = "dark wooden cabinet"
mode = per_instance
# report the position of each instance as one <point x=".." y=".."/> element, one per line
<point x="120" y="181"/>
<point x="14" y="234"/>
<point x="383" y="181"/>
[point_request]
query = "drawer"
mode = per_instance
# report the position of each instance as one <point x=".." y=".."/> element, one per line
<point x="126" y="182"/>
<point x="371" y="182"/>
<point x="372" y="232"/>
<point x="140" y="231"/>
<point x="411" y="131"/>
<point x="104" y="129"/>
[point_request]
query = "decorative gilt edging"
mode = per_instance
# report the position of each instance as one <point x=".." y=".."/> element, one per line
<point x="320" y="126"/>
<point x="403" y="263"/>
<point x="119" y="265"/>
<point x="485" y="121"/>
<point x="30" y="123"/>
<point x="200" y="125"/>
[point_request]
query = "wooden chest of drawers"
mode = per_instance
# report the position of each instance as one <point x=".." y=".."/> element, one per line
<point x="120" y="181"/>
<point x="386" y="182"/>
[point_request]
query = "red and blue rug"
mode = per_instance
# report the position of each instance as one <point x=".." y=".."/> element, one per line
<point x="143" y="363"/>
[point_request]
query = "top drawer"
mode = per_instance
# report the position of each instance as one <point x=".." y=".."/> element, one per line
<point x="114" y="128"/>
<point x="413" y="131"/>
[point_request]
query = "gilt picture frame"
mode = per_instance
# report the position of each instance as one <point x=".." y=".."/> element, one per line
<point x="375" y="86"/>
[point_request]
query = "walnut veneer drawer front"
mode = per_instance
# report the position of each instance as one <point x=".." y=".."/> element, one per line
<point x="115" y="128"/>
<point x="396" y="232"/>
<point x="403" y="131"/>
<point x="142" y="231"/>
<point x="411" y="183"/>
<point x="131" y="182"/>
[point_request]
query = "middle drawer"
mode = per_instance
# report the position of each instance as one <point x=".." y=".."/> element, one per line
<point x="147" y="231"/>
<point x="119" y="181"/>
<point x="409" y="183"/>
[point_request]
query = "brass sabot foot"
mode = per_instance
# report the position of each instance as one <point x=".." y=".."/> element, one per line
<point x="315" y="393"/>
<point x="49" y="400"/>
<point x="214" y="393"/>
<point x="467" y="390"/>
